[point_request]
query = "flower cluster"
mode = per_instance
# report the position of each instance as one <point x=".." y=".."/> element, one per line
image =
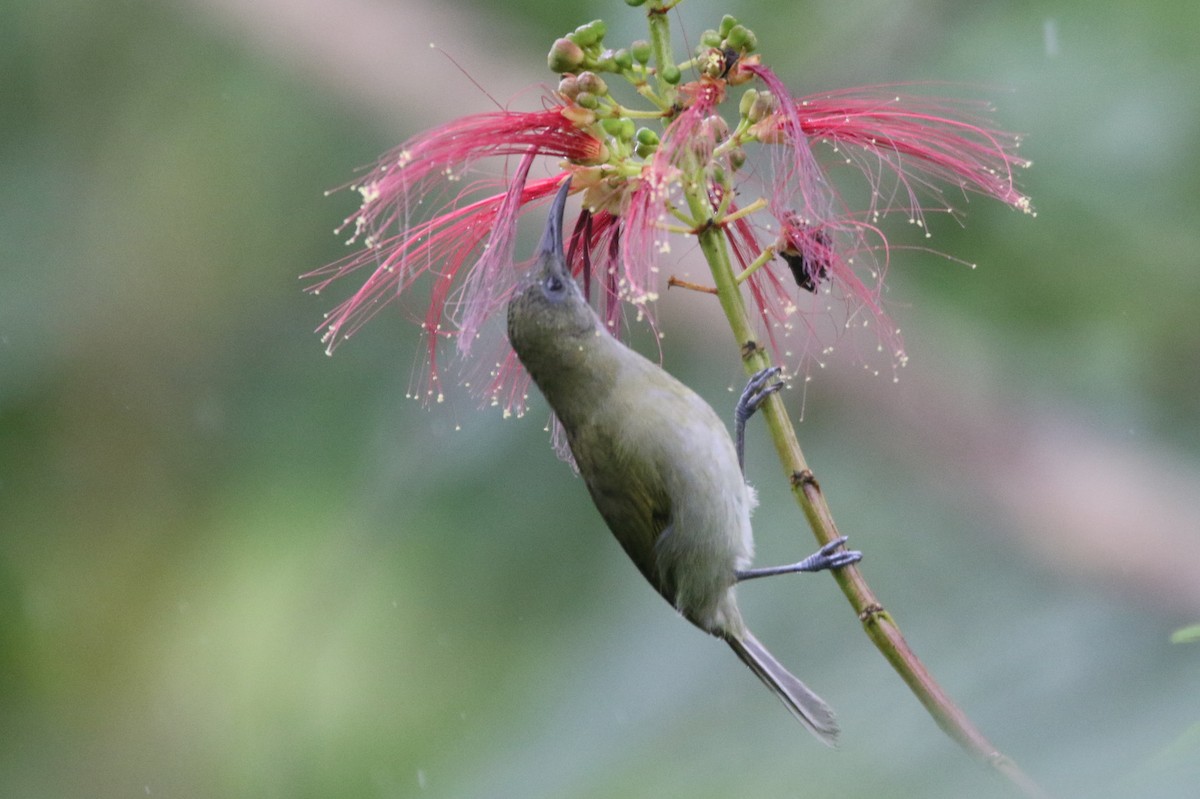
<point x="683" y="165"/>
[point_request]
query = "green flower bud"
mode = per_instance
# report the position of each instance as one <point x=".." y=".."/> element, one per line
<point x="598" y="28"/>
<point x="587" y="100"/>
<point x="612" y="125"/>
<point x="641" y="51"/>
<point x="744" y="106"/>
<point x="589" y="34"/>
<point x="635" y="3"/>
<point x="671" y="74"/>
<point x="623" y="59"/>
<point x="645" y="150"/>
<point x="592" y="83"/>
<point x="647" y="136"/>
<point x="565" y="56"/>
<point x="737" y="37"/>
<point x="627" y="128"/>
<point x="727" y="23"/>
<point x="711" y="38"/>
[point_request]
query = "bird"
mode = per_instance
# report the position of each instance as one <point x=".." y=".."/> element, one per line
<point x="658" y="462"/>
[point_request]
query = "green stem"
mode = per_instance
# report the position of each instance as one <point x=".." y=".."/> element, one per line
<point x="879" y="625"/>
<point x="621" y="112"/>
<point x="660" y="46"/>
<point x="745" y="210"/>
<point x="755" y="265"/>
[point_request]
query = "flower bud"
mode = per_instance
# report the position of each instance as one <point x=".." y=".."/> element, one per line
<point x="763" y="106"/>
<point x="565" y="56"/>
<point x="623" y="59"/>
<point x="587" y="100"/>
<point x="568" y="87"/>
<point x="711" y="38"/>
<point x="591" y="33"/>
<point x="744" y="106"/>
<point x="635" y="3"/>
<point x="727" y="23"/>
<point x="592" y="83"/>
<point x="612" y="125"/>
<point x="641" y="51"/>
<point x="671" y="74"/>
<point x="741" y="38"/>
<point x="618" y="127"/>
<point x="647" y="136"/>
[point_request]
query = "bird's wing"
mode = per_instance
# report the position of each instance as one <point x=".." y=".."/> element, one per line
<point x="629" y="493"/>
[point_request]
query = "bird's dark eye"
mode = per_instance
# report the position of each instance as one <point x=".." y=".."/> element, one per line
<point x="554" y="285"/>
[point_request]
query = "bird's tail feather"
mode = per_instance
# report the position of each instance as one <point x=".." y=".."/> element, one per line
<point x="806" y="706"/>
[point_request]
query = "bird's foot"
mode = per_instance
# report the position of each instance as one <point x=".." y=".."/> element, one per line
<point x="756" y="392"/>
<point x="827" y="557"/>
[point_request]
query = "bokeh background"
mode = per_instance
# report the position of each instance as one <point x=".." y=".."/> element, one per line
<point x="231" y="566"/>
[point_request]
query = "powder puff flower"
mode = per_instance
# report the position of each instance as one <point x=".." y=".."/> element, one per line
<point x="680" y="166"/>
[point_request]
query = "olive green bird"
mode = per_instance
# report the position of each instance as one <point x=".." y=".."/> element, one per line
<point x="659" y="463"/>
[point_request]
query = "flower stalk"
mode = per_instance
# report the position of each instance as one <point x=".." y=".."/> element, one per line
<point x="877" y="622"/>
<point x="664" y="63"/>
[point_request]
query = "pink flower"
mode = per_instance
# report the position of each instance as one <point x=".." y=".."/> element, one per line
<point x="401" y="245"/>
<point x="910" y="150"/>
<point x="428" y="212"/>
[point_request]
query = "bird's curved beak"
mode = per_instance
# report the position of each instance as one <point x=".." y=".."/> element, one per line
<point x="551" y="245"/>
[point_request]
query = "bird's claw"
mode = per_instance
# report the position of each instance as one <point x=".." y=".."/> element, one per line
<point x="827" y="557"/>
<point x="830" y="557"/>
<point x="757" y="390"/>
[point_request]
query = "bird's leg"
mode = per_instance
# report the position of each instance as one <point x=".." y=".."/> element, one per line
<point x="753" y="396"/>
<point x="823" y="558"/>
<point x="756" y="392"/>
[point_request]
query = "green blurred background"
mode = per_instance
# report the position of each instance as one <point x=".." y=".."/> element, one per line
<point x="231" y="566"/>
